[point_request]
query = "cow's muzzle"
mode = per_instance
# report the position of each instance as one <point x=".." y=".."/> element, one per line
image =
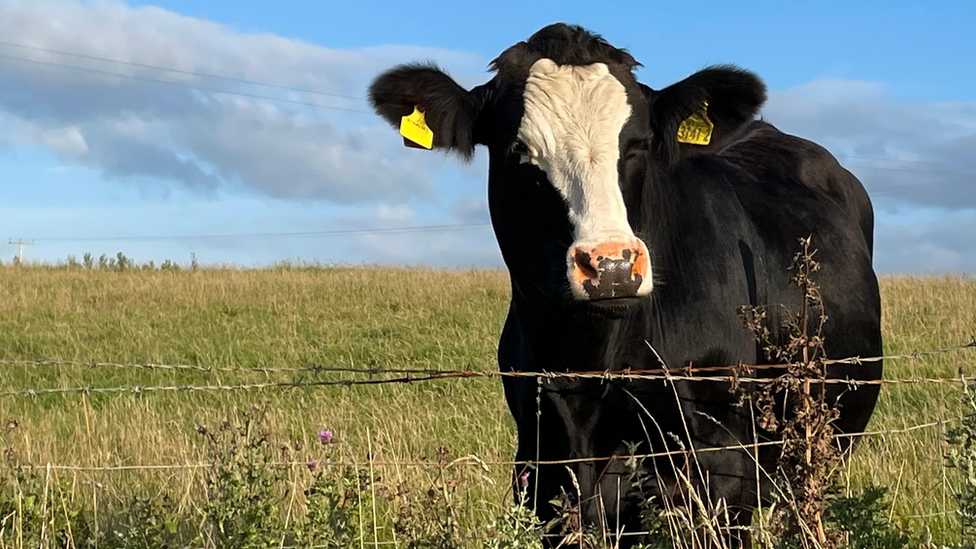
<point x="609" y="269"/>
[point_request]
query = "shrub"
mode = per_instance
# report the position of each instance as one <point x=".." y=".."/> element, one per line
<point x="243" y="492"/>
<point x="864" y="519"/>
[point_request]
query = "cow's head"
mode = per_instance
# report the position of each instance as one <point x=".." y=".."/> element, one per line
<point x="572" y="137"/>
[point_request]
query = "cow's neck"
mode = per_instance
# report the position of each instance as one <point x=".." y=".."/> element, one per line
<point x="563" y="338"/>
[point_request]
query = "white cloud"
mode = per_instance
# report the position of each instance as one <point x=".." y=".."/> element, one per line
<point x="131" y="128"/>
<point x="469" y="209"/>
<point x="474" y="247"/>
<point x="943" y="244"/>
<point x="399" y="213"/>
<point x="905" y="152"/>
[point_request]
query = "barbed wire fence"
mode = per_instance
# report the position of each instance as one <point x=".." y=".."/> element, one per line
<point x="376" y="376"/>
<point x="735" y="374"/>
<point x="738" y="373"/>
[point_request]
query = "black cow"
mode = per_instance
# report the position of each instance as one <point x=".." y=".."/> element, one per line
<point x="627" y="247"/>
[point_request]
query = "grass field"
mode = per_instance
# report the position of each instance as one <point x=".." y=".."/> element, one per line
<point x="365" y="318"/>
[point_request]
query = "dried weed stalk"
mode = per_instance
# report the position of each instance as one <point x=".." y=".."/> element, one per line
<point x="796" y="410"/>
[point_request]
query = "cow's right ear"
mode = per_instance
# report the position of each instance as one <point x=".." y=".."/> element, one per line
<point x="450" y="111"/>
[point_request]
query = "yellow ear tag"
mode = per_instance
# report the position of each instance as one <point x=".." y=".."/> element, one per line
<point x="414" y="128"/>
<point x="697" y="128"/>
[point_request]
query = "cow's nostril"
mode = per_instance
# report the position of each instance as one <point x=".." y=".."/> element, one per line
<point x="585" y="264"/>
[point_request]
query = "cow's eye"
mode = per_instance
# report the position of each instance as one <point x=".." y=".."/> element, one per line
<point x="519" y="147"/>
<point x="638" y="146"/>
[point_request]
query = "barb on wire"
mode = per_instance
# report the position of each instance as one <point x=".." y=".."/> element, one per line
<point x="479" y="463"/>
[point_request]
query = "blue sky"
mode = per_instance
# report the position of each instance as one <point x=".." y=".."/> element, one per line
<point x="886" y="86"/>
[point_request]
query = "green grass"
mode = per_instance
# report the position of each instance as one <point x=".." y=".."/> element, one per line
<point x="365" y="317"/>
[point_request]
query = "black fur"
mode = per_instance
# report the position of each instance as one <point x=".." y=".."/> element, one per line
<point x="450" y="111"/>
<point x="564" y="45"/>
<point x="721" y="224"/>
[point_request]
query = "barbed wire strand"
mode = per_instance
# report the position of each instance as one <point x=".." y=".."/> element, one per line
<point x="446" y="374"/>
<point x="302" y="384"/>
<point x="479" y="462"/>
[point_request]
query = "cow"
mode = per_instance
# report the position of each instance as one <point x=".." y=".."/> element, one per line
<point x="634" y="222"/>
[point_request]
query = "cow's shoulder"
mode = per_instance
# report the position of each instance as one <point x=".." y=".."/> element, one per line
<point x="765" y="150"/>
<point x="788" y="180"/>
<point x="765" y="156"/>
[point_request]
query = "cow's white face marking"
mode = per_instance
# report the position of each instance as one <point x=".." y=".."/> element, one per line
<point x="571" y="128"/>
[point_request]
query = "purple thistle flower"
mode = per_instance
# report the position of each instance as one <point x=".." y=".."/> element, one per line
<point x="326" y="436"/>
<point x="312" y="464"/>
<point x="298" y="446"/>
<point x="524" y="480"/>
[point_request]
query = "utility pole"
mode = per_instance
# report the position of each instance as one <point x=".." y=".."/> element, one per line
<point x="20" y="243"/>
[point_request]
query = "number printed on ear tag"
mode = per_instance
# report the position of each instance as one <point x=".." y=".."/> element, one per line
<point x="414" y="128"/>
<point x="697" y="128"/>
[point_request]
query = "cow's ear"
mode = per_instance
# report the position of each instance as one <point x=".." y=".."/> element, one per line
<point x="449" y="111"/>
<point x="729" y="97"/>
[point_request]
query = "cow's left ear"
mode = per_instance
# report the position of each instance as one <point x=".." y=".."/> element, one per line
<point x="729" y="96"/>
<point x="449" y="111"/>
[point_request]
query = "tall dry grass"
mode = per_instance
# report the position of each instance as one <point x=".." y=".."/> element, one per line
<point x="366" y="317"/>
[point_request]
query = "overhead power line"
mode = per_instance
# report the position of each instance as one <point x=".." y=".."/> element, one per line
<point x="342" y="96"/>
<point x="180" y="84"/>
<point x="904" y="190"/>
<point x="904" y="160"/>
<point x="340" y="232"/>
<point x="902" y="170"/>
<point x="178" y="71"/>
